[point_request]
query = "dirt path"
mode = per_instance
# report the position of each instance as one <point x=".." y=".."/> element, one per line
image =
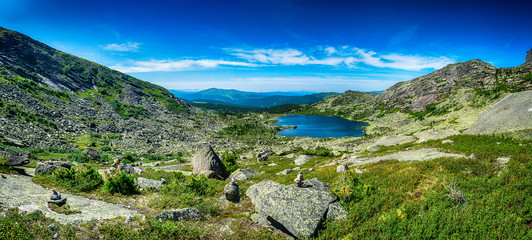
<point x="19" y="191"/>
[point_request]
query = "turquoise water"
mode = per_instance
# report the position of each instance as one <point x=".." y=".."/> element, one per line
<point x="320" y="126"/>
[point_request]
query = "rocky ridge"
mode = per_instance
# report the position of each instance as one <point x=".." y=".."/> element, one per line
<point x="47" y="97"/>
<point x="452" y="97"/>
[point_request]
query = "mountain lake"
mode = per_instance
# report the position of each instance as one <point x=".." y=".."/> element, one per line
<point x="320" y="126"/>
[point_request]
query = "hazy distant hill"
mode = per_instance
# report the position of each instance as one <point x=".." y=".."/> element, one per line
<point x="252" y="99"/>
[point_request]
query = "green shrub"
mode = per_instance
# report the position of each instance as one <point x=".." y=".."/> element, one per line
<point x="3" y="167"/>
<point x="84" y="180"/>
<point x="349" y="188"/>
<point x="229" y="160"/>
<point x="14" y="225"/>
<point x="106" y="148"/>
<point x="154" y="157"/>
<point x="199" y="185"/>
<point x="114" y="137"/>
<point x="183" y="191"/>
<point x="127" y="111"/>
<point x="121" y="183"/>
<point x="105" y="158"/>
<point x="95" y="135"/>
<point x="88" y="180"/>
<point x="319" y="151"/>
<point x="79" y="157"/>
<point x="129" y="158"/>
<point x="152" y="229"/>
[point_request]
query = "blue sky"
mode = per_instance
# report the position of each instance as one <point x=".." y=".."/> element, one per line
<point x="277" y="45"/>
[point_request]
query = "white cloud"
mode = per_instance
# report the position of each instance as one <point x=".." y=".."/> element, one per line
<point x="343" y="55"/>
<point x="330" y="50"/>
<point x="124" y="47"/>
<point x="179" y="65"/>
<point x="398" y="61"/>
<point x="283" y="57"/>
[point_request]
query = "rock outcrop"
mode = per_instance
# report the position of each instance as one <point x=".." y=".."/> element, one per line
<point x="180" y="214"/>
<point x="342" y="168"/>
<point x="92" y="153"/>
<point x="150" y="184"/>
<point x="423" y="154"/>
<point x="529" y="56"/>
<point x="511" y="114"/>
<point x="394" y="140"/>
<point x="432" y="135"/>
<point x="263" y="156"/>
<point x="302" y="159"/>
<point x="206" y="159"/>
<point x="130" y="169"/>
<point x="14" y="158"/>
<point x="243" y="174"/>
<point x="300" y="210"/>
<point x="51" y="165"/>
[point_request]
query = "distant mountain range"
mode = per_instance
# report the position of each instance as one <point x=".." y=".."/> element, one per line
<point x="251" y="99"/>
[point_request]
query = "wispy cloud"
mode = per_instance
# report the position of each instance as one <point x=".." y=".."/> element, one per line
<point x="284" y="57"/>
<point x="175" y="65"/>
<point x="398" y="61"/>
<point x="344" y="55"/>
<point x="124" y="47"/>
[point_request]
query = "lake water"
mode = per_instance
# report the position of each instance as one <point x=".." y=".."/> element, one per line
<point x="320" y="126"/>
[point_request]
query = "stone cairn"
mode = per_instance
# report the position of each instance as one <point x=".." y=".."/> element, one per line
<point x="231" y="191"/>
<point x="57" y="199"/>
<point x="299" y="180"/>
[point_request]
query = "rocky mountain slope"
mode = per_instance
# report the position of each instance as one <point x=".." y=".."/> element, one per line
<point x="51" y="98"/>
<point x="512" y="114"/>
<point x="451" y="97"/>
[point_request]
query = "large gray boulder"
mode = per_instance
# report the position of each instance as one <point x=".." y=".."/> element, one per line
<point x="51" y="165"/>
<point x="180" y="214"/>
<point x="512" y="113"/>
<point x="206" y="159"/>
<point x="129" y="169"/>
<point x="150" y="184"/>
<point x="14" y="158"/>
<point x="342" y="168"/>
<point x="263" y="156"/>
<point x="394" y="140"/>
<point x="432" y="135"/>
<point x="302" y="159"/>
<point x="92" y="153"/>
<point x="300" y="210"/>
<point x="243" y="174"/>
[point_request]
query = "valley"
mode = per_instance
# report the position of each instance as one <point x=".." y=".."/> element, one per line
<point x="444" y="155"/>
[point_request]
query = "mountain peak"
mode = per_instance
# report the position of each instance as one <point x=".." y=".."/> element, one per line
<point x="529" y="56"/>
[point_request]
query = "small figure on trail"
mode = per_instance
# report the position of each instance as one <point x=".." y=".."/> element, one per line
<point x="299" y="180"/>
<point x="55" y="195"/>
<point x="116" y="163"/>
